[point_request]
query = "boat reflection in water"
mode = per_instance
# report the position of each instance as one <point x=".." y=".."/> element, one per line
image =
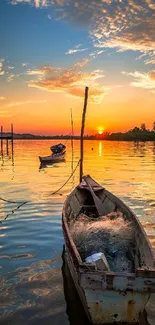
<point x="74" y="308"/>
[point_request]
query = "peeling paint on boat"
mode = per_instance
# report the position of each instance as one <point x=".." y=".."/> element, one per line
<point x="112" y="307"/>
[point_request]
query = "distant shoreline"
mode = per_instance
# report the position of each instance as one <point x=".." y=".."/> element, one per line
<point x="87" y="138"/>
<point x="136" y="134"/>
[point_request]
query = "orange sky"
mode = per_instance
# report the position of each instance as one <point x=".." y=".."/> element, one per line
<point x="117" y="112"/>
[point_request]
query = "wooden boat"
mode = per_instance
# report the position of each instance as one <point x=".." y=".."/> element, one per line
<point x="54" y="158"/>
<point x="58" y="148"/>
<point x="107" y="296"/>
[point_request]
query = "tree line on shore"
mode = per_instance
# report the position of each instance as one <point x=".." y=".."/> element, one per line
<point x="136" y="134"/>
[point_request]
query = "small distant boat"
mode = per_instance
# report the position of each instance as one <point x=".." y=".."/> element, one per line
<point x="58" y="148"/>
<point x="58" y="154"/>
<point x="54" y="158"/>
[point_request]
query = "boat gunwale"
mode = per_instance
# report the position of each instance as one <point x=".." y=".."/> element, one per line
<point x="75" y="254"/>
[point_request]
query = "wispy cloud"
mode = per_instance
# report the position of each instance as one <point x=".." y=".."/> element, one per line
<point x="147" y="59"/>
<point x="11" y="77"/>
<point x="36" y="3"/>
<point x="76" y="49"/>
<point x="121" y="24"/>
<point x="71" y="81"/>
<point x="142" y="80"/>
<point x="24" y="64"/>
<point x="72" y="51"/>
<point x="124" y="25"/>
<point x="26" y="103"/>
<point x="2" y="98"/>
<point x="10" y="67"/>
<point x="1" y="67"/>
<point x="5" y="114"/>
<point x="35" y="72"/>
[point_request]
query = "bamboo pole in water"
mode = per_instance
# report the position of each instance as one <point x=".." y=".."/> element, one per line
<point x="82" y="132"/>
<point x="12" y="138"/>
<point x="72" y="145"/>
<point x="1" y="140"/>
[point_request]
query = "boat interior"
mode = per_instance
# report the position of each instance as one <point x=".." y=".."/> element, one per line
<point x="83" y="206"/>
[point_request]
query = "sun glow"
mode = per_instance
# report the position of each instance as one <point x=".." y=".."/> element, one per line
<point x="100" y="129"/>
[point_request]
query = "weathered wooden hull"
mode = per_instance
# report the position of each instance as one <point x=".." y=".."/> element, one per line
<point x="54" y="158"/>
<point x="104" y="306"/>
<point x="109" y="297"/>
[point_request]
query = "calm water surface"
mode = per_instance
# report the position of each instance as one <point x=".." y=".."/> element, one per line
<point x="35" y="283"/>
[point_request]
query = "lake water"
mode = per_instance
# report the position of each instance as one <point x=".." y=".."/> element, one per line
<point x="35" y="283"/>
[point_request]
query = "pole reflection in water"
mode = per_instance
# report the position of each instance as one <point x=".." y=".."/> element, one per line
<point x="6" y="157"/>
<point x="74" y="308"/>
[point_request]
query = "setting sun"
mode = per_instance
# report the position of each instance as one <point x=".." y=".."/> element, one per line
<point x="100" y="129"/>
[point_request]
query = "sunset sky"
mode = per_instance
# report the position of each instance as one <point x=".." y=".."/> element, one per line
<point x="51" y="49"/>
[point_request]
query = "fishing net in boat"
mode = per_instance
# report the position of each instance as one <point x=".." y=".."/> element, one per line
<point x="110" y="234"/>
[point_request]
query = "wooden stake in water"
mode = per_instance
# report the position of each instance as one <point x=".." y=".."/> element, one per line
<point x="12" y="138"/>
<point x="1" y="140"/>
<point x="72" y="146"/>
<point x="82" y="132"/>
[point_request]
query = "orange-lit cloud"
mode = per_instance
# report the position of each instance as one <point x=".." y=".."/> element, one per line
<point x="2" y="98"/>
<point x="71" y="81"/>
<point x="143" y="80"/>
<point x="151" y="75"/>
<point x="125" y="25"/>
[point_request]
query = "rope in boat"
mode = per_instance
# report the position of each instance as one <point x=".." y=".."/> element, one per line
<point x="67" y="179"/>
<point x="13" y="202"/>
